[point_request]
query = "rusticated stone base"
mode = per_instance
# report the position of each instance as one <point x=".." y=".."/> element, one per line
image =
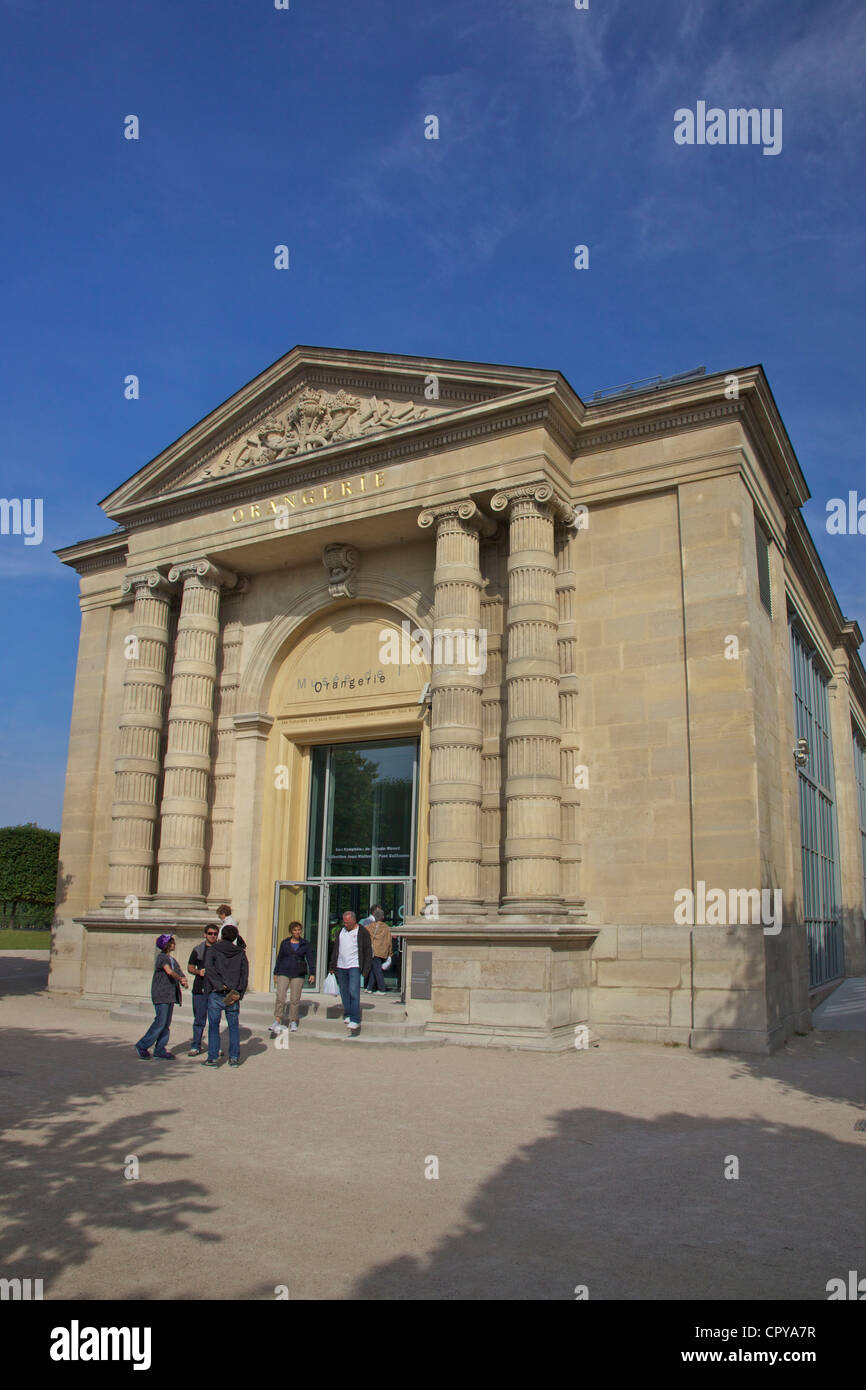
<point x="104" y="957"/>
<point x="707" y="988"/>
<point x="522" y="984"/>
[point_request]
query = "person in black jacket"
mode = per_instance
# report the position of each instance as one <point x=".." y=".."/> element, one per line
<point x="351" y="957"/>
<point x="165" y="992"/>
<point x="294" y="960"/>
<point x="226" y="976"/>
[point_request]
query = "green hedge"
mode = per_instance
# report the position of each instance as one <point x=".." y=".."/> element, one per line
<point x="28" y="875"/>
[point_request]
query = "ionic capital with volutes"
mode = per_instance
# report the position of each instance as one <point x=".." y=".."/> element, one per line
<point x="543" y="495"/>
<point x="205" y="571"/>
<point x="464" y="509"/>
<point x="151" y="580"/>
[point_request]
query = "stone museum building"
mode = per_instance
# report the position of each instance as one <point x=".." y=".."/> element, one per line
<point x="563" y="685"/>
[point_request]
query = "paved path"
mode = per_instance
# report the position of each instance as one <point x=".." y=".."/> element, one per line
<point x="306" y="1167"/>
<point x="844" y="1010"/>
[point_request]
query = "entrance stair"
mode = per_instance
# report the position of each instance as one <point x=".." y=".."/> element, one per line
<point x="383" y="1019"/>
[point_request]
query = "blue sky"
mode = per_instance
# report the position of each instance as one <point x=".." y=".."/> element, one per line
<point x="306" y="127"/>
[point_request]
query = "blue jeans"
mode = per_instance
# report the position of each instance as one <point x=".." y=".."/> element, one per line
<point x="215" y="1005"/>
<point x="157" y="1033"/>
<point x="376" y="979"/>
<point x="199" y="1017"/>
<point x="349" y="982"/>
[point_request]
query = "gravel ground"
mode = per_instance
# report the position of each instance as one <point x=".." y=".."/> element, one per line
<point x="307" y="1167"/>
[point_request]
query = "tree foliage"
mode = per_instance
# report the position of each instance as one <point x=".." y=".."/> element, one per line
<point x="28" y="868"/>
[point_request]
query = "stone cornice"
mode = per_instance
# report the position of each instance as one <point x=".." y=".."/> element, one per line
<point x="603" y="437"/>
<point x="424" y="931"/>
<point x="691" y="404"/>
<point x="253" y="724"/>
<point x="100" y="553"/>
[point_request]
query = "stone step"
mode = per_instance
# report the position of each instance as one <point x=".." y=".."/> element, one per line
<point x="382" y="1021"/>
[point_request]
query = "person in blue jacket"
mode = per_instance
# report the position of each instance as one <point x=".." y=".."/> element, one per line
<point x="295" y="960"/>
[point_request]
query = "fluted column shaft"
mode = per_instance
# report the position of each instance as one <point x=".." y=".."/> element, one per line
<point x="454" y="854"/>
<point x="132" y="855"/>
<point x="566" y="596"/>
<point x="493" y="620"/>
<point x="533" y="878"/>
<point x="184" y="810"/>
<point x="223" y="805"/>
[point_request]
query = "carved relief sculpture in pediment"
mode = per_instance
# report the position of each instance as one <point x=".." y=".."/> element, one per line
<point x="315" y="420"/>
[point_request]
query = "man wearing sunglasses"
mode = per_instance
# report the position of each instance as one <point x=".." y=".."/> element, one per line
<point x="199" y="998"/>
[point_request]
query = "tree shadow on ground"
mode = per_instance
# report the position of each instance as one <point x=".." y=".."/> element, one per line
<point x="641" y="1209"/>
<point x="820" y="1067"/>
<point x="63" y="1169"/>
<point x="24" y="974"/>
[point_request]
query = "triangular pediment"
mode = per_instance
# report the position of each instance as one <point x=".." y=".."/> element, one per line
<point x="312" y="400"/>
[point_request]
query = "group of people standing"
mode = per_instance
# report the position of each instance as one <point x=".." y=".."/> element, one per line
<point x="219" y="965"/>
<point x="221" y="970"/>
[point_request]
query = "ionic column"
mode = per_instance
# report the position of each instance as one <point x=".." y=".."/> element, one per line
<point x="223" y="791"/>
<point x="454" y="856"/>
<point x="493" y="622"/>
<point x="184" y="809"/>
<point x="132" y="855"/>
<point x="533" y="834"/>
<point x="566" y="594"/>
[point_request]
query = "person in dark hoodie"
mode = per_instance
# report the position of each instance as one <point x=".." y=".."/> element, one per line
<point x="295" y="959"/>
<point x="226" y="975"/>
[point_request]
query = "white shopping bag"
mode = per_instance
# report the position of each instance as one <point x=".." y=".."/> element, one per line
<point x="330" y="986"/>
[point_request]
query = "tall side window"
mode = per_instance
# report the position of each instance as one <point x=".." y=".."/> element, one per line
<point x="818" y="831"/>
<point x="860" y="772"/>
<point x="762" y="546"/>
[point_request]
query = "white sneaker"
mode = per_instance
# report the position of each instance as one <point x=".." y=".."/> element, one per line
<point x="353" y="1027"/>
<point x="293" y="1027"/>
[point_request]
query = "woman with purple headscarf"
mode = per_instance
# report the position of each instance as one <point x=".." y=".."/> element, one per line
<point x="165" y="993"/>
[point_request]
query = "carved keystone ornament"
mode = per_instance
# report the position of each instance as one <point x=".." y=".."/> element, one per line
<point x="341" y="562"/>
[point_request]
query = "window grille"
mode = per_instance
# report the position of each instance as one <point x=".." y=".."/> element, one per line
<point x="860" y="772"/>
<point x="818" y="832"/>
<point x="762" y="545"/>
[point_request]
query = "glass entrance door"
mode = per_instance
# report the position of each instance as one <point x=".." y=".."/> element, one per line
<point x="360" y="846"/>
<point x="298" y="902"/>
<point x="319" y="907"/>
<point x="360" y="897"/>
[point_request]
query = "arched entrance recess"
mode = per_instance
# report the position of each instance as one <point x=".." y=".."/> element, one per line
<point x="323" y="679"/>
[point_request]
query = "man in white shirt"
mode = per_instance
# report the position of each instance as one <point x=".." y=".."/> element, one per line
<point x="351" y="957"/>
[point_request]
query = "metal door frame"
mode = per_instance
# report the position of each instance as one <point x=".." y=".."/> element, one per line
<point x="324" y="886"/>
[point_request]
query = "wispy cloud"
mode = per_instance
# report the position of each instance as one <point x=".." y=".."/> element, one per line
<point x="23" y="562"/>
<point x="457" y="195"/>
